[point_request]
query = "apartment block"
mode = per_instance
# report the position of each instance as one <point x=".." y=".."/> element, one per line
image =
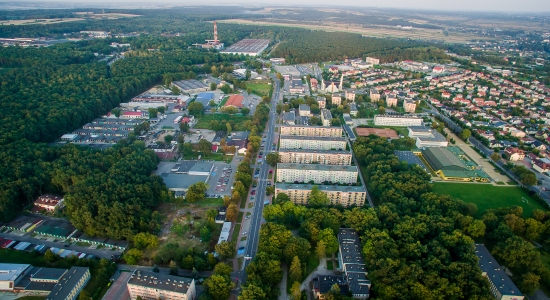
<point x="352" y="263"/>
<point x="312" y="142"/>
<point x="391" y="100"/>
<point x="336" y="99"/>
<point x="150" y="286"/>
<point x="502" y="287"/>
<point x="311" y="130"/>
<point x="409" y="106"/>
<point x="372" y="60"/>
<point x="374" y="95"/>
<point x="326" y="117"/>
<point x="322" y="101"/>
<point x="316" y="173"/>
<point x="350" y="96"/>
<point x="342" y="195"/>
<point x="323" y="157"/>
<point x="397" y="120"/>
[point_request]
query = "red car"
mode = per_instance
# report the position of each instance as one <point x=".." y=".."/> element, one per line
<point x="259" y="156"/>
<point x="270" y="171"/>
<point x="253" y="192"/>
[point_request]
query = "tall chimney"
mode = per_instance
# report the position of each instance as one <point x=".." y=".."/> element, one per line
<point x="215" y="32"/>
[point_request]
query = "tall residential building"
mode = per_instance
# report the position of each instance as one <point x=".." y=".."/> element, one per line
<point x="316" y="173"/>
<point x="391" y="100"/>
<point x="310" y="130"/>
<point x="350" y="96"/>
<point x="342" y="195"/>
<point x="336" y="99"/>
<point x="374" y="95"/>
<point x="304" y="110"/>
<point x="409" y="106"/>
<point x="150" y="285"/>
<point x="396" y="120"/>
<point x="312" y="142"/>
<point x="352" y="263"/>
<point x="326" y="117"/>
<point x="323" y="157"/>
<point x="501" y="285"/>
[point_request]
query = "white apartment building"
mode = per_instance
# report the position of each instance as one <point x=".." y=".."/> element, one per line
<point x="398" y="121"/>
<point x="326" y="117"/>
<point x="409" y="106"/>
<point x="310" y="130"/>
<point x="336" y="99"/>
<point x="323" y="157"/>
<point x="338" y="195"/>
<point x="316" y="173"/>
<point x="350" y="96"/>
<point x="150" y="285"/>
<point x="322" y="101"/>
<point x="312" y="142"/>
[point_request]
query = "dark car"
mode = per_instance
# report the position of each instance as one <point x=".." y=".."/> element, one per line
<point x="253" y="192"/>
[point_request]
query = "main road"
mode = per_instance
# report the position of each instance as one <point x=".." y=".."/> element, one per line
<point x="251" y="247"/>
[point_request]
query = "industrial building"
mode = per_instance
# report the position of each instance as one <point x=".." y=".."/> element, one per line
<point x="150" y="285"/>
<point x="449" y="167"/>
<point x="427" y="137"/>
<point x="235" y="100"/>
<point x="323" y="157"/>
<point x="252" y="47"/>
<point x="397" y="120"/>
<point x="312" y="142"/>
<point x="352" y="263"/>
<point x="190" y="86"/>
<point x="70" y="285"/>
<point x="212" y="44"/>
<point x="502" y="287"/>
<point x="338" y="195"/>
<point x="204" y="98"/>
<point x="299" y="130"/>
<point x="298" y="173"/>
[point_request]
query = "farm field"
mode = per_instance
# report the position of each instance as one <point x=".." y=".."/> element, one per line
<point x="417" y="33"/>
<point x="487" y="196"/>
<point x="204" y="121"/>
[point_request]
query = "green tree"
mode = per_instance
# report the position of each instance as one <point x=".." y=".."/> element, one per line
<point x="168" y="138"/>
<point x="229" y="129"/>
<point x="218" y="286"/>
<point x="252" y="292"/>
<point x="273" y="158"/>
<point x="226" y="89"/>
<point x="161" y="109"/>
<point x="195" y="108"/>
<point x="529" y="283"/>
<point x="188" y="262"/>
<point x="184" y="127"/>
<point x="144" y="240"/>
<point x="173" y="268"/>
<point x="245" y="111"/>
<point x="117" y="112"/>
<point x="476" y="228"/>
<point x="295" y="270"/>
<point x="205" y="147"/>
<point x="175" y="90"/>
<point x="465" y="134"/>
<point x="84" y="295"/>
<point x="270" y="190"/>
<point x="212" y="86"/>
<point x="206" y="234"/>
<point x="317" y="197"/>
<point x="331" y="242"/>
<point x="153" y="112"/>
<point x="133" y="256"/>
<point x="226" y="249"/>
<point x="196" y="192"/>
<point x="295" y="291"/>
<point x="49" y="256"/>
<point x="321" y="250"/>
<point x="232" y="212"/>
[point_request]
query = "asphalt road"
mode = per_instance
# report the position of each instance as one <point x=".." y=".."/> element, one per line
<point x="251" y="247"/>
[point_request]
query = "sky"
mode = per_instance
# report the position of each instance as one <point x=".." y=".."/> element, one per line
<point x="445" y="5"/>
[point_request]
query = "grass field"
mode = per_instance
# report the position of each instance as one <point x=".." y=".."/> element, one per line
<point x="487" y="196"/>
<point x="235" y="235"/>
<point x="210" y="202"/>
<point x="211" y="156"/>
<point x="260" y="89"/>
<point x="204" y="121"/>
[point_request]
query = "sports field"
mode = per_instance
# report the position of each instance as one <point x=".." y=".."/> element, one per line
<point x="487" y="196"/>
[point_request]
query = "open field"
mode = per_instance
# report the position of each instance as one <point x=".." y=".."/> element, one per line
<point x="39" y="21"/>
<point x="487" y="196"/>
<point x="416" y="33"/>
<point x="204" y="121"/>
<point x="260" y="89"/>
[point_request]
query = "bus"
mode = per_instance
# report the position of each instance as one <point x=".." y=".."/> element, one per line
<point x="178" y="119"/>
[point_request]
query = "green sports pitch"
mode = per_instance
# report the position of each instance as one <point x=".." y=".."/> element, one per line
<point x="487" y="196"/>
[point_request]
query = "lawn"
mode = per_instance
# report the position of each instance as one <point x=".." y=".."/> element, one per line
<point x="311" y="263"/>
<point x="329" y="265"/>
<point x="240" y="217"/>
<point x="487" y="196"/>
<point x="236" y="230"/>
<point x="204" y="121"/>
<point x="211" y="156"/>
<point x="223" y="101"/>
<point x="260" y="89"/>
<point x="210" y="202"/>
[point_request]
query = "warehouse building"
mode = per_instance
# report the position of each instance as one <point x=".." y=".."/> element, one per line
<point x="338" y="195"/>
<point x="397" y="120"/>
<point x="298" y="173"/>
<point x="449" y="167"/>
<point x="252" y="47"/>
<point x="300" y="130"/>
<point x="312" y="142"/>
<point x="190" y="86"/>
<point x="323" y="157"/>
<point x="149" y="285"/>
<point x="427" y="137"/>
<point x="69" y="287"/>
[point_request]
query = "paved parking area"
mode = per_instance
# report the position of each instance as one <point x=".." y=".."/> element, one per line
<point x="227" y="176"/>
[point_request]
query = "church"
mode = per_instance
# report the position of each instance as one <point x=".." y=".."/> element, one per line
<point x="332" y="86"/>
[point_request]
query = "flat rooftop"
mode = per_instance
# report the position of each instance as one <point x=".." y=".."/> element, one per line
<point x="398" y="117"/>
<point x="248" y="46"/>
<point x="10" y="272"/>
<point x="160" y="281"/>
<point x="350" y="246"/>
<point x="65" y="286"/>
<point x="311" y="126"/>
<point x="434" y="137"/>
<point x="333" y="152"/>
<point x="326" y="188"/>
<point x="181" y="181"/>
<point x="201" y="167"/>
<point x="500" y="279"/>
<point x="190" y="84"/>
<point x="317" y="167"/>
<point x="313" y="138"/>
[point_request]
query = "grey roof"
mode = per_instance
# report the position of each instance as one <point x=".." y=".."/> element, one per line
<point x="435" y="137"/>
<point x="353" y="107"/>
<point x="326" y="188"/>
<point x="10" y="272"/>
<point x="201" y="167"/>
<point x="495" y="274"/>
<point x="355" y="269"/>
<point x="317" y="167"/>
<point x="321" y="99"/>
<point x="239" y="135"/>
<point x="304" y="107"/>
<point x="160" y="281"/>
<point x="325" y="114"/>
<point x="349" y="132"/>
<point x="347" y="118"/>
<point x="181" y="181"/>
<point x="320" y="138"/>
<point x="410" y="158"/>
<point x="185" y="166"/>
<point x="315" y="151"/>
<point x="419" y="129"/>
<point x="66" y="285"/>
<point x="308" y="126"/>
<point x="289" y="116"/>
<point x="190" y="84"/>
<point x="442" y="159"/>
<point x="48" y="274"/>
<point x="324" y="283"/>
